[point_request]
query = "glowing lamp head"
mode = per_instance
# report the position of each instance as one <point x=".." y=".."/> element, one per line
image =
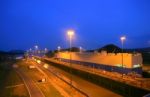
<point x="58" y="47"/>
<point x="123" y="38"/>
<point x="45" y="49"/>
<point x="36" y="47"/>
<point x="80" y="47"/>
<point x="70" y="33"/>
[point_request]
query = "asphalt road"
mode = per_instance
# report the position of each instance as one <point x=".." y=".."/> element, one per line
<point x="32" y="88"/>
<point x="59" y="84"/>
<point x="91" y="89"/>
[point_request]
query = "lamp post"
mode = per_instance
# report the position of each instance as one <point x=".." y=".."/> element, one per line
<point x="36" y="49"/>
<point x="123" y="38"/>
<point x="30" y="51"/>
<point x="70" y="34"/>
<point x="58" y="48"/>
<point x="80" y="49"/>
<point x="45" y="51"/>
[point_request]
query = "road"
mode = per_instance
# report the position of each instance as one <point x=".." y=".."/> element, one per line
<point x="62" y="86"/>
<point x="32" y="88"/>
<point x="89" y="88"/>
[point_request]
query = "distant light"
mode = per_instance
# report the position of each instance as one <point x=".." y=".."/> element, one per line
<point x="45" y="49"/>
<point x="38" y="61"/>
<point x="45" y="66"/>
<point x="123" y="38"/>
<point x="70" y="33"/>
<point x="80" y="49"/>
<point x="59" y="47"/>
<point x="36" y="47"/>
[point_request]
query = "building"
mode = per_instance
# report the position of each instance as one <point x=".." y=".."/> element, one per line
<point x="107" y="61"/>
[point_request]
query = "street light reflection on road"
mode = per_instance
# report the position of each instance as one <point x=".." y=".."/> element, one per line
<point x="38" y="61"/>
<point x="45" y="66"/>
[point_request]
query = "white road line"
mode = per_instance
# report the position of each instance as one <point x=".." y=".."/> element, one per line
<point x="12" y="86"/>
<point x="24" y="83"/>
<point x="60" y="90"/>
<point x="38" y="88"/>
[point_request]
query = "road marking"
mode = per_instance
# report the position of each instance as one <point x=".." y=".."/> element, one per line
<point x="24" y="83"/>
<point x="38" y="88"/>
<point x="60" y="90"/>
<point x="12" y="86"/>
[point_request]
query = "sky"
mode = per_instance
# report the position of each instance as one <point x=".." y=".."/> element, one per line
<point x="26" y="23"/>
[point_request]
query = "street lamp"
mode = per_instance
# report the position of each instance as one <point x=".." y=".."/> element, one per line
<point x="123" y="38"/>
<point x="80" y="49"/>
<point x="70" y="34"/>
<point x="45" y="50"/>
<point x="58" y="48"/>
<point x="36" y="47"/>
<point x="30" y="49"/>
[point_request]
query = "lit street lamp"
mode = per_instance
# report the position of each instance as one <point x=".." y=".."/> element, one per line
<point x="58" y="48"/>
<point x="80" y="49"/>
<point x="70" y="34"/>
<point x="45" y="50"/>
<point x="30" y="49"/>
<point x="36" y="47"/>
<point x="123" y="38"/>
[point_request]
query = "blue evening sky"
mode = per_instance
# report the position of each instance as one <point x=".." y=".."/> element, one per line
<point x="25" y="23"/>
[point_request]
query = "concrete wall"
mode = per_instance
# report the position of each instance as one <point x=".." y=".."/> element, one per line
<point x="111" y="59"/>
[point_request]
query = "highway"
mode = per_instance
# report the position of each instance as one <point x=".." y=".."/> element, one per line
<point x="59" y="80"/>
<point x="89" y="88"/>
<point x="32" y="78"/>
<point x="61" y="85"/>
<point x="32" y="88"/>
